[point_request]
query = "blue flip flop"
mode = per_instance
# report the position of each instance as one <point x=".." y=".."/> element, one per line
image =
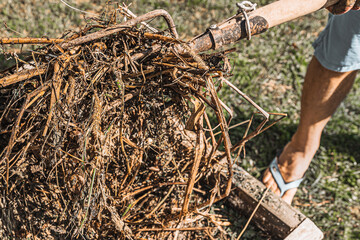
<point x="283" y="186"/>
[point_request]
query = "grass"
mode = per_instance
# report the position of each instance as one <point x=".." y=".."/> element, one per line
<point x="270" y="69"/>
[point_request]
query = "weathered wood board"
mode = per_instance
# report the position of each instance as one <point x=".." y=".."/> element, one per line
<point x="274" y="215"/>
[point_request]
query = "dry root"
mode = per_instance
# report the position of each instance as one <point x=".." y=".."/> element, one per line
<point x="105" y="138"/>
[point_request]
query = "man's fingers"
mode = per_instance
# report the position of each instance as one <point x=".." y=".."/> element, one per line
<point x="357" y="5"/>
<point x="273" y="186"/>
<point x="267" y="176"/>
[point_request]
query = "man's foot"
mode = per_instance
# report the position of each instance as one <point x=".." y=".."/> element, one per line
<point x="292" y="166"/>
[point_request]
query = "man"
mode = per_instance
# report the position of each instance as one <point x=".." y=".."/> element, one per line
<point x="329" y="78"/>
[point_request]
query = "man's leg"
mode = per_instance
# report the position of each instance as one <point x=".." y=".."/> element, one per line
<point x="323" y="91"/>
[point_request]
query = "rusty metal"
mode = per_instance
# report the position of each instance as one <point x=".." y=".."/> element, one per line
<point x="227" y="32"/>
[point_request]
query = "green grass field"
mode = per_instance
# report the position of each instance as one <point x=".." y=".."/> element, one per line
<point x="270" y="69"/>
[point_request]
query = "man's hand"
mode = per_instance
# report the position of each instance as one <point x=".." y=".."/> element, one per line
<point x="344" y="6"/>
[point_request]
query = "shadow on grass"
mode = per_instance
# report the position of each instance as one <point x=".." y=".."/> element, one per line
<point x="334" y="163"/>
<point x="264" y="147"/>
<point x="345" y="143"/>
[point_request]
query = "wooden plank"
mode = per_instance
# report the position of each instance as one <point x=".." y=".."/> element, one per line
<point x="274" y="215"/>
<point x="306" y="230"/>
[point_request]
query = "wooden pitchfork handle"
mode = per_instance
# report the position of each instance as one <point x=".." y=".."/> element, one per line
<point x="234" y="28"/>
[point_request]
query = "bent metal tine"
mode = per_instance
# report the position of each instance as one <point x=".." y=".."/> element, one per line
<point x="262" y="111"/>
<point x="127" y="24"/>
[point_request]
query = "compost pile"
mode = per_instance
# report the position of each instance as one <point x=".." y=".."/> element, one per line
<point x="105" y="134"/>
